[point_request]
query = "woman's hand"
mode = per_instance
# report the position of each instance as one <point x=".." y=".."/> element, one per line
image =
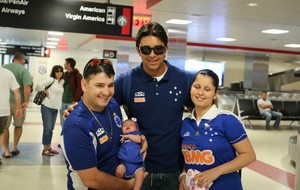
<point x="47" y="93"/>
<point x="182" y="185"/>
<point x="206" y="178"/>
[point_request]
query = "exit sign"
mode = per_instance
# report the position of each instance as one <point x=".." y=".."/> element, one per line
<point x="139" y="21"/>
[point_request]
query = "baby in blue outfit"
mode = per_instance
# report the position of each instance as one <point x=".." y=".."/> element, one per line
<point x="131" y="160"/>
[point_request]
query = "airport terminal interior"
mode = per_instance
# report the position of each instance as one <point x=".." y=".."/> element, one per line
<point x="231" y="37"/>
<point x="30" y="170"/>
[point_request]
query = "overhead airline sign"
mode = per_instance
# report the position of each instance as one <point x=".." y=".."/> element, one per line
<point x="37" y="51"/>
<point x="67" y="16"/>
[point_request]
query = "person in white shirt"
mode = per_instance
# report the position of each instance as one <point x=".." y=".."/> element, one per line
<point x="50" y="106"/>
<point x="9" y="83"/>
<point x="266" y="109"/>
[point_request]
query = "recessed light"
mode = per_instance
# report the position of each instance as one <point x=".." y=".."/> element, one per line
<point x="226" y="39"/>
<point x="52" y="47"/>
<point x="252" y="4"/>
<point x="275" y="31"/>
<point x="53" y="39"/>
<point x="176" y="31"/>
<point x="55" y="33"/>
<point x="52" y="43"/>
<point x="178" y="21"/>
<point x="292" y="45"/>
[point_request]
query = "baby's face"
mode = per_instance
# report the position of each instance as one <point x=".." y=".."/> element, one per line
<point x="128" y="126"/>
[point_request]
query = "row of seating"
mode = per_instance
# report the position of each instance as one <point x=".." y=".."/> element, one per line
<point x="247" y="110"/>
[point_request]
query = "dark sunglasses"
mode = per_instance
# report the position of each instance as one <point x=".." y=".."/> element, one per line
<point x="59" y="71"/>
<point x="158" y="50"/>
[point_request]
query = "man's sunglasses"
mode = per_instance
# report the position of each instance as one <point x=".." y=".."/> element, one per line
<point x="95" y="62"/>
<point x="158" y="50"/>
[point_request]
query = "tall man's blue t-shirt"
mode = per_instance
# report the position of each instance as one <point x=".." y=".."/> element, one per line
<point x="158" y="107"/>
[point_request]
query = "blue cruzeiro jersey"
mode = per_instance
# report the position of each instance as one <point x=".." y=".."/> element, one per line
<point x="209" y="144"/>
<point x="86" y="145"/>
<point x="158" y="107"/>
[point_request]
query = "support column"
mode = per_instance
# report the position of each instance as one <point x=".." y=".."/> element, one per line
<point x="122" y="64"/>
<point x="177" y="46"/>
<point x="256" y="71"/>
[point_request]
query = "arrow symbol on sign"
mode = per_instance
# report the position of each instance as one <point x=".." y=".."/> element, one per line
<point x="122" y="21"/>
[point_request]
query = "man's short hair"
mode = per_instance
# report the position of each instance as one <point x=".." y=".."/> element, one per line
<point x="72" y="62"/>
<point x="19" y="55"/>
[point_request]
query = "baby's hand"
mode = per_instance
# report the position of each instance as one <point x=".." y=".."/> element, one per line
<point x="133" y="138"/>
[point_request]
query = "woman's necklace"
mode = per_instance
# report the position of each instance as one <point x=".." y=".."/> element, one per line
<point x="111" y="128"/>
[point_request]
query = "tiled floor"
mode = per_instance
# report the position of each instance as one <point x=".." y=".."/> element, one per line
<point x="31" y="170"/>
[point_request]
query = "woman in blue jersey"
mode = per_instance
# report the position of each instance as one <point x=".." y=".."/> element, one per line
<point x="215" y="144"/>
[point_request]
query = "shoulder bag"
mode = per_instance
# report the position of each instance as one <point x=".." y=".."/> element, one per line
<point x="40" y="95"/>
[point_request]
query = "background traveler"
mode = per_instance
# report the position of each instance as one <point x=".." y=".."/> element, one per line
<point x="50" y="106"/>
<point x="23" y="78"/>
<point x="9" y="83"/>
<point x="266" y="109"/>
<point x="72" y="86"/>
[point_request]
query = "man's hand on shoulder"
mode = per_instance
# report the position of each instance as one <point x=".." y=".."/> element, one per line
<point x="69" y="110"/>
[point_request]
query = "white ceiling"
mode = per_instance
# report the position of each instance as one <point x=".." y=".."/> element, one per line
<point x="211" y="19"/>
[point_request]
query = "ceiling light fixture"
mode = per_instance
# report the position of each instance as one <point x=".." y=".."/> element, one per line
<point x="178" y="21"/>
<point x="252" y="4"/>
<point x="52" y="43"/>
<point x="226" y="39"/>
<point x="52" y="47"/>
<point x="292" y="45"/>
<point x="56" y="33"/>
<point x="53" y="39"/>
<point x="176" y="31"/>
<point x="275" y="31"/>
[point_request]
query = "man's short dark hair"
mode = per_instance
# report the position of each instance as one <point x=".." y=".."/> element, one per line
<point x="72" y="62"/>
<point x="152" y="29"/>
<point x="19" y="55"/>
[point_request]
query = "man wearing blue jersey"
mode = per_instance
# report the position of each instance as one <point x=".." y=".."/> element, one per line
<point x="91" y="133"/>
<point x="157" y="95"/>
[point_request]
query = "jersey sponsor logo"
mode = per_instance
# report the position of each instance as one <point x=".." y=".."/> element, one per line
<point x="198" y="157"/>
<point x="100" y="131"/>
<point x="103" y="139"/>
<point x="139" y="97"/>
<point x="139" y="100"/>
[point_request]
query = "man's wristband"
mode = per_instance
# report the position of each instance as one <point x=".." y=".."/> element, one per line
<point x="181" y="175"/>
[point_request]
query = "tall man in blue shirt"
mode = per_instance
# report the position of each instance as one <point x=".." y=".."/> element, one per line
<point x="157" y="95"/>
